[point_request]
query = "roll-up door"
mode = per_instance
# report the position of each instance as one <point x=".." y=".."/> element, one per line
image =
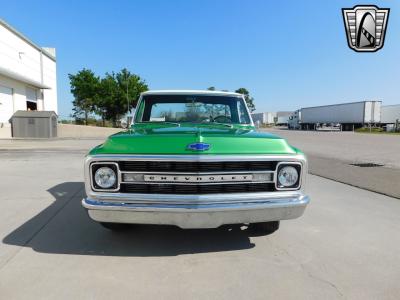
<point x="6" y="104"/>
<point x="31" y="99"/>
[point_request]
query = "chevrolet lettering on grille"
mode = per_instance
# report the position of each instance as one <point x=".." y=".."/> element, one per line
<point x="199" y="178"/>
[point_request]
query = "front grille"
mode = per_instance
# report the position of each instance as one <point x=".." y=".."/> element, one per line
<point x="196" y="189"/>
<point x="139" y="186"/>
<point x="195" y="167"/>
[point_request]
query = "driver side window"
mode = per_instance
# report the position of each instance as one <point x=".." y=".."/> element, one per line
<point x="243" y="116"/>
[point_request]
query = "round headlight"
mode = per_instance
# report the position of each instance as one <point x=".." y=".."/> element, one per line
<point x="288" y="176"/>
<point x="105" y="177"/>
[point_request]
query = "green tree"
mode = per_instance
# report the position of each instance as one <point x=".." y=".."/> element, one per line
<point x="118" y="94"/>
<point x="130" y="86"/>
<point x="248" y="98"/>
<point x="84" y="87"/>
<point x="107" y="97"/>
<point x="213" y="88"/>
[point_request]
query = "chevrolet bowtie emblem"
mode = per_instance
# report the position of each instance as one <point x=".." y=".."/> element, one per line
<point x="365" y="27"/>
<point x="198" y="146"/>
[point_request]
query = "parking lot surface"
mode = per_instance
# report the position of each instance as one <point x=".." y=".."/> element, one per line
<point x="346" y="146"/>
<point x="335" y="155"/>
<point x="345" y="246"/>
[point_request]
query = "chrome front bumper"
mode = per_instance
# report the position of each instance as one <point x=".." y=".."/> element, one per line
<point x="196" y="211"/>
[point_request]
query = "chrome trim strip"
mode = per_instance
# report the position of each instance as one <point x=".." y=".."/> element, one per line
<point x="159" y="207"/>
<point x="194" y="198"/>
<point x="195" y="183"/>
<point x="198" y="174"/>
<point x="199" y="215"/>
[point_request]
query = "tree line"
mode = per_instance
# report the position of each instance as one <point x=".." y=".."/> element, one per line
<point x="245" y="93"/>
<point x="110" y="97"/>
<point x="114" y="95"/>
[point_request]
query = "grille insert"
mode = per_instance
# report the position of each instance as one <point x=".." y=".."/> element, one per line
<point x="194" y="167"/>
<point x="196" y="189"/>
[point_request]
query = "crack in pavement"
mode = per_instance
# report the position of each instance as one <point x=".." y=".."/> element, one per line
<point x="331" y="284"/>
<point x="309" y="273"/>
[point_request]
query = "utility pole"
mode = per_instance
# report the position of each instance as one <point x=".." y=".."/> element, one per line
<point x="127" y="100"/>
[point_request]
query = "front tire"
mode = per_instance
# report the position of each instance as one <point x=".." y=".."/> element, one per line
<point x="115" y="226"/>
<point x="265" y="227"/>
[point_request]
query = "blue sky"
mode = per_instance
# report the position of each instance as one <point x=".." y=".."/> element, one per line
<point x="289" y="54"/>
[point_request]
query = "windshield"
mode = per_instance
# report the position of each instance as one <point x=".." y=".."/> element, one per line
<point x="193" y="109"/>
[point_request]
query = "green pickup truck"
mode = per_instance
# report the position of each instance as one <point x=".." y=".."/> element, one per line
<point x="195" y="160"/>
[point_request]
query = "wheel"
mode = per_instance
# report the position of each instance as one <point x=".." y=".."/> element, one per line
<point x="115" y="226"/>
<point x="265" y="227"/>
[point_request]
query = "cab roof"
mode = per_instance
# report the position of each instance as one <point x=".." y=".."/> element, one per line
<point x="191" y="92"/>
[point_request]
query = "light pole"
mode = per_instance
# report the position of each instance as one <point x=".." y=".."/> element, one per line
<point x="127" y="100"/>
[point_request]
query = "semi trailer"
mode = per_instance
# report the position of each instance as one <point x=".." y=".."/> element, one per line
<point x="390" y="114"/>
<point x="282" y="117"/>
<point x="348" y="115"/>
<point x="264" y="117"/>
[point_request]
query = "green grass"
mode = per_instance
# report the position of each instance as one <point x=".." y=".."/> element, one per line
<point x="375" y="130"/>
<point x="383" y="132"/>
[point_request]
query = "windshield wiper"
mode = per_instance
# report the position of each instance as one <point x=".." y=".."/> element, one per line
<point x="223" y="124"/>
<point x="216" y="123"/>
<point x="172" y="123"/>
<point x="161" y="123"/>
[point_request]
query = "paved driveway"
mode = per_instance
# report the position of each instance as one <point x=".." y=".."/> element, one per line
<point x="346" y="146"/>
<point x="333" y="155"/>
<point x="345" y="246"/>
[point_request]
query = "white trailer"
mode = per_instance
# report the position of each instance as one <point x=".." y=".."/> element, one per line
<point x="258" y="118"/>
<point x="349" y="115"/>
<point x="264" y="118"/>
<point x="390" y="113"/>
<point x="282" y="117"/>
<point x="270" y="117"/>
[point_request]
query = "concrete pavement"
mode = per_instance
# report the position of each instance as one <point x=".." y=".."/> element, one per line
<point x="345" y="246"/>
<point x="347" y="146"/>
<point x="333" y="155"/>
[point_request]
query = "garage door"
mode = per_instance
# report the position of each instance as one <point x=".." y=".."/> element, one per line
<point x="6" y="104"/>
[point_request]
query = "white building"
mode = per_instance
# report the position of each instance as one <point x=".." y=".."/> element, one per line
<point x="27" y="75"/>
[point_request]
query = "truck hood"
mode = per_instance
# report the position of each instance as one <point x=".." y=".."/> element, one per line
<point x="171" y="139"/>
